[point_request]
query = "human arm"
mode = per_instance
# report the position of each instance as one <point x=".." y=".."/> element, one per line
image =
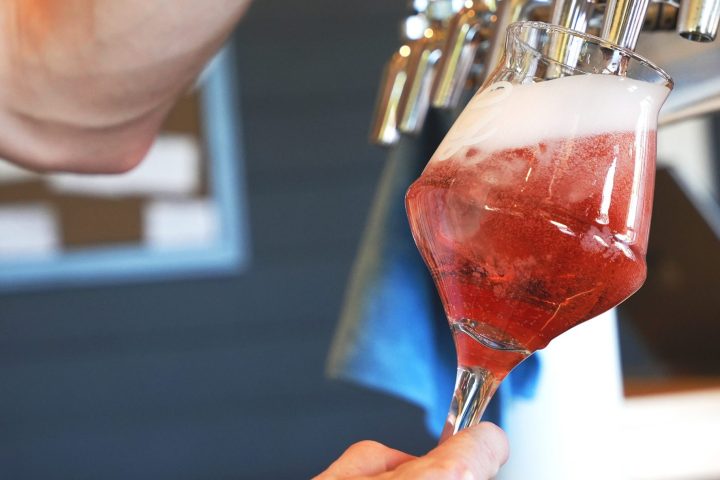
<point x="86" y="84"/>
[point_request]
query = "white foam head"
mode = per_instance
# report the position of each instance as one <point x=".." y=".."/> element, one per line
<point x="513" y="116"/>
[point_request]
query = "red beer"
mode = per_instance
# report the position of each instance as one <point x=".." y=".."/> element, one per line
<point x="525" y="243"/>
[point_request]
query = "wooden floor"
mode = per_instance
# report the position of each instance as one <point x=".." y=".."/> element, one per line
<point x="223" y="378"/>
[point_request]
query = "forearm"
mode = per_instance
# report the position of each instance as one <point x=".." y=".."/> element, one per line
<point x="84" y="84"/>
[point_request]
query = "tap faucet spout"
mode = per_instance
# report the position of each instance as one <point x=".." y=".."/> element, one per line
<point x="698" y="19"/>
<point x="467" y="33"/>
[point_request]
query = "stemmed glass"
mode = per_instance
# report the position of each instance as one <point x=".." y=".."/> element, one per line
<point x="533" y="214"/>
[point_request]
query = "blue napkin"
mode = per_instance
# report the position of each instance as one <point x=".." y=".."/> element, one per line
<point x="393" y="335"/>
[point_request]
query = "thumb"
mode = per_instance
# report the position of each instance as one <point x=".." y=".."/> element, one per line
<point x="476" y="453"/>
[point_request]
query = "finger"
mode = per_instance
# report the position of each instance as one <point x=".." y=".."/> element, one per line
<point x="476" y="453"/>
<point x="365" y="458"/>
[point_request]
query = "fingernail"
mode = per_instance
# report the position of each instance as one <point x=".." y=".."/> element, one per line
<point x="468" y="475"/>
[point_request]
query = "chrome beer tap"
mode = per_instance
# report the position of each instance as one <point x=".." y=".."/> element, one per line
<point x="384" y="128"/>
<point x="467" y="40"/>
<point x="425" y="53"/>
<point x="459" y="51"/>
<point x="510" y="11"/>
<point x="623" y="21"/>
<point x="574" y="14"/>
<point x="404" y="96"/>
<point x="698" y="19"/>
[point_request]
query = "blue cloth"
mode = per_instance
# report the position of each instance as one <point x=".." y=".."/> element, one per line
<point x="393" y="335"/>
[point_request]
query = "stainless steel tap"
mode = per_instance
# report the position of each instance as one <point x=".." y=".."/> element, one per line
<point x="623" y="21"/>
<point x="466" y="40"/>
<point x="698" y="19"/>
<point x="422" y="61"/>
<point x="403" y="99"/>
<point x="384" y="129"/>
<point x="454" y="54"/>
<point x="574" y="14"/>
<point x="510" y="11"/>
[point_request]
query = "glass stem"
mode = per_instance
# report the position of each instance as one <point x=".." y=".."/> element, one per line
<point x="474" y="387"/>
